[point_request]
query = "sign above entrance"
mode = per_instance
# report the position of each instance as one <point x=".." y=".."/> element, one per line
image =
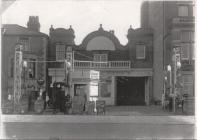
<point x="94" y="75"/>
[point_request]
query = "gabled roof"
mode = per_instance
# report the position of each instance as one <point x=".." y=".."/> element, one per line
<point x="14" y="29"/>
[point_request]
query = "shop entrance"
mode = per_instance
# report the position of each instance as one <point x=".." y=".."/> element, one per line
<point x="130" y="90"/>
<point x="80" y="89"/>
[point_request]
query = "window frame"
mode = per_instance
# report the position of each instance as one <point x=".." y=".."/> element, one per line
<point x="189" y="36"/>
<point x="32" y="61"/>
<point x="60" y="54"/>
<point x="25" y="42"/>
<point x="144" y="51"/>
<point x="188" y="51"/>
<point x="100" y="57"/>
<point x="188" y="84"/>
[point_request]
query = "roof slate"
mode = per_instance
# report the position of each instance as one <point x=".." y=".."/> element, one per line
<point x="14" y="29"/>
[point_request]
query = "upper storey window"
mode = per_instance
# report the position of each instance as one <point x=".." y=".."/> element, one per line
<point x="24" y="41"/>
<point x="187" y="36"/>
<point x="100" y="57"/>
<point x="193" y="10"/>
<point x="183" y="10"/>
<point x="140" y="51"/>
<point x="185" y="51"/>
<point x="60" y="52"/>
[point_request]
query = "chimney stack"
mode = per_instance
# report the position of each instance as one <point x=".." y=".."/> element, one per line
<point x="33" y="23"/>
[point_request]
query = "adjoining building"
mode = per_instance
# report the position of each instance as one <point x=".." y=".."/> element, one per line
<point x="123" y="74"/>
<point x="173" y="27"/>
<point x="34" y="51"/>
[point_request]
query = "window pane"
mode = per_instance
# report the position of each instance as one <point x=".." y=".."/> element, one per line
<point x="32" y="68"/>
<point x="100" y="57"/>
<point x="176" y="35"/>
<point x="96" y="58"/>
<point x="140" y="51"/>
<point x="185" y="52"/>
<point x="192" y="36"/>
<point x="25" y="42"/>
<point x="187" y="79"/>
<point x="60" y="52"/>
<point x="183" y="11"/>
<point x="188" y="84"/>
<point x="105" y="89"/>
<point x="104" y="57"/>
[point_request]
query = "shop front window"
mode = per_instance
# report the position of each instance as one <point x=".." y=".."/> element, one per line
<point x="105" y="89"/>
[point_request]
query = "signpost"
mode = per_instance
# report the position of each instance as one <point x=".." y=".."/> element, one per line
<point x="94" y="79"/>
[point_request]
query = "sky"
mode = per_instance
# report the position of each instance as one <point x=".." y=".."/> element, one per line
<point x="85" y="16"/>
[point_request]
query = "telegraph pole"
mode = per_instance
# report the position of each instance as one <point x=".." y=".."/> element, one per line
<point x="17" y="74"/>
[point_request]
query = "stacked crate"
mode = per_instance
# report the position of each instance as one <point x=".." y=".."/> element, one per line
<point x="89" y="107"/>
<point x="8" y="107"/>
<point x="78" y="103"/>
<point x="100" y="107"/>
<point x="23" y="105"/>
<point x="39" y="105"/>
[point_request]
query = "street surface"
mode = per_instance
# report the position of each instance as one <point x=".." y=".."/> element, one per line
<point x="99" y="127"/>
<point x="118" y="123"/>
<point x="96" y="131"/>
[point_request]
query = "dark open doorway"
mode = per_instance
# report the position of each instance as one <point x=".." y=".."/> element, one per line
<point x="130" y="90"/>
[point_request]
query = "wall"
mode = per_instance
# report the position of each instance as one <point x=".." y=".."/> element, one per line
<point x="141" y="36"/>
<point x="38" y="47"/>
<point x="156" y="23"/>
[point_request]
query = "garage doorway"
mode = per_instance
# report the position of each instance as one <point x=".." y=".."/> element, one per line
<point x="130" y="91"/>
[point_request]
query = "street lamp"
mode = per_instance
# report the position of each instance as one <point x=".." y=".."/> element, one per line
<point x="169" y="69"/>
<point x="24" y="66"/>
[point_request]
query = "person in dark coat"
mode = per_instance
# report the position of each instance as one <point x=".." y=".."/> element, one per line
<point x="62" y="99"/>
<point x="44" y="94"/>
<point x="54" y="98"/>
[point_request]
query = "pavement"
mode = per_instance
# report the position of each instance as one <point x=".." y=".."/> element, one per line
<point x="118" y="123"/>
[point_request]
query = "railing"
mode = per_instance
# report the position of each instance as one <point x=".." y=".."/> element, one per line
<point x="183" y="20"/>
<point x="102" y="65"/>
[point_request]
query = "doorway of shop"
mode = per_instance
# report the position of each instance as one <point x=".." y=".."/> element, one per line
<point x="130" y="91"/>
<point x="80" y="89"/>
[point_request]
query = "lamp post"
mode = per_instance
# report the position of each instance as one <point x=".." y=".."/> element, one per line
<point x="169" y="69"/>
<point x="24" y="66"/>
<point x="67" y="67"/>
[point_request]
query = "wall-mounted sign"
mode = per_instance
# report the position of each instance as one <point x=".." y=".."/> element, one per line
<point x="94" y="75"/>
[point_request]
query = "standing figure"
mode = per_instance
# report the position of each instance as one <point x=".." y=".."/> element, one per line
<point x="62" y="99"/>
<point x="67" y="101"/>
<point x="54" y="98"/>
